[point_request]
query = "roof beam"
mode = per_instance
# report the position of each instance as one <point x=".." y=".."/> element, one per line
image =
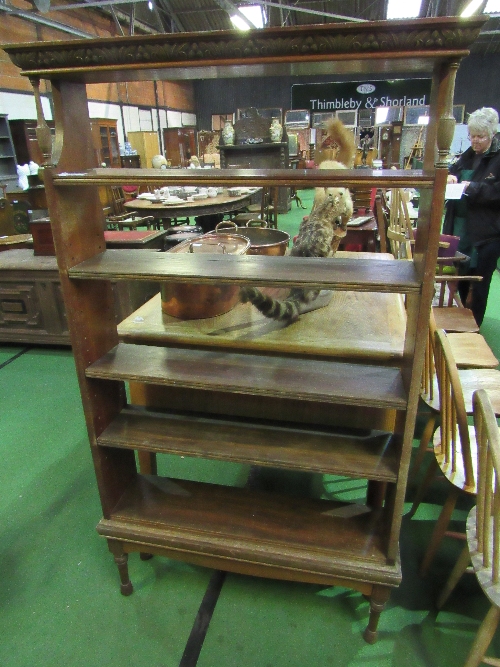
<point x="294" y="8"/>
<point x="36" y="18"/>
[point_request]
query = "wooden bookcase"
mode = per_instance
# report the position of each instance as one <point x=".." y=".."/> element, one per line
<point x="247" y="530"/>
<point x="105" y="141"/>
<point x="8" y="163"/>
<point x="25" y="140"/>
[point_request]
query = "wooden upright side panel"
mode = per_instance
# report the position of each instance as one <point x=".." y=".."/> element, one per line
<point x="78" y="229"/>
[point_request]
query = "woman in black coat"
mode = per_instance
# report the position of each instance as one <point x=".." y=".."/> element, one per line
<point x="476" y="216"/>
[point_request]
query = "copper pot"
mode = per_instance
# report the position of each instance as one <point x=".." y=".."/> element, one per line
<point x="263" y="241"/>
<point x="198" y="301"/>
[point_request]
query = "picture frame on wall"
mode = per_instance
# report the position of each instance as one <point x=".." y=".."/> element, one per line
<point x="414" y="115"/>
<point x="348" y="117"/>
<point x="319" y="119"/>
<point x="388" y="115"/>
<point x="269" y="112"/>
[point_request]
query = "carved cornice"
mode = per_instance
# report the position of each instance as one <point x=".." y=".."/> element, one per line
<point x="316" y="42"/>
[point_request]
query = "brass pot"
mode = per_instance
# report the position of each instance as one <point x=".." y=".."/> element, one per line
<point x="263" y="241"/>
<point x="198" y="301"/>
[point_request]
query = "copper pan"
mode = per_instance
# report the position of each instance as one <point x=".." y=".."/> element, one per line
<point x="198" y="301"/>
<point x="263" y="241"/>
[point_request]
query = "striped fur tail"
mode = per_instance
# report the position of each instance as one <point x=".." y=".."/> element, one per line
<point x="288" y="309"/>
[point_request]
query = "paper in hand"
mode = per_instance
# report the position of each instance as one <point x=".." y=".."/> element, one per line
<point x="454" y="190"/>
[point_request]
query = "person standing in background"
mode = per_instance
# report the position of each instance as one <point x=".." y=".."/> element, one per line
<point x="475" y="218"/>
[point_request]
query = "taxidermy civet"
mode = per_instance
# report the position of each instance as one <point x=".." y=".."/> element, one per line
<point x="319" y="234"/>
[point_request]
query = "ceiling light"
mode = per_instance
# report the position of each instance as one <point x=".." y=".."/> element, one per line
<point x="254" y="15"/>
<point x="492" y="6"/>
<point x="150" y="5"/>
<point x="403" y="10"/>
<point x="471" y="7"/>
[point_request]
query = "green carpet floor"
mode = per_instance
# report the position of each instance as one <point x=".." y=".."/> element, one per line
<point x="60" y="602"/>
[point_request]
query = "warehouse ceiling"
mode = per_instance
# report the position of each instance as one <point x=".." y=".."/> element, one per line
<point x="207" y="15"/>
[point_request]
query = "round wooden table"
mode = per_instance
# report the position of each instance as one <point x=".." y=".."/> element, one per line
<point x="208" y="212"/>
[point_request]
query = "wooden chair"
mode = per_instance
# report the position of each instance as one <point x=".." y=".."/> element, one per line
<point x="121" y="218"/>
<point x="470" y="350"/>
<point x="267" y="210"/>
<point x="453" y="443"/>
<point x="394" y="226"/>
<point x="399" y="219"/>
<point x="381" y="218"/>
<point x="449" y="312"/>
<point x="483" y="530"/>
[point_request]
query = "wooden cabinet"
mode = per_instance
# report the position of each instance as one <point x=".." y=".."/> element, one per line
<point x="8" y="163"/>
<point x="147" y="146"/>
<point x="259" y="408"/>
<point x="105" y="142"/>
<point x="32" y="309"/>
<point x="25" y="140"/>
<point x="180" y="145"/>
<point x="131" y="161"/>
<point x="259" y="156"/>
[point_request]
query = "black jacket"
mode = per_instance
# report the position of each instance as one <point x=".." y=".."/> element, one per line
<point x="482" y="195"/>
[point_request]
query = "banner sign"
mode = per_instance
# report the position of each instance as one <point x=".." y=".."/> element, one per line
<point x="356" y="95"/>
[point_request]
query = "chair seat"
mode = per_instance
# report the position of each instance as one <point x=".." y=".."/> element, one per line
<point x="455" y="319"/>
<point x="470" y="350"/>
<point x="473" y="379"/>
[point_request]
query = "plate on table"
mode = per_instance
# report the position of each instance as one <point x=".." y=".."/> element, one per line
<point x="147" y="195"/>
<point x="356" y="222"/>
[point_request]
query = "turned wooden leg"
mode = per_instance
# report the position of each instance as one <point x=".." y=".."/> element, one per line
<point x="455" y="576"/>
<point x="483" y="637"/>
<point x="378" y="600"/>
<point x="439" y="530"/>
<point x="121" y="560"/>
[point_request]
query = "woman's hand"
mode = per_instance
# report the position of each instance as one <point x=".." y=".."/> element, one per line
<point x="451" y="179"/>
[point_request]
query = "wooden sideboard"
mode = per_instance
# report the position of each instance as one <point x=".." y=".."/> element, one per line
<point x="31" y="303"/>
<point x="259" y="156"/>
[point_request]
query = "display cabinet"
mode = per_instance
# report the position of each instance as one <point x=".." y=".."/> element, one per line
<point x="8" y="163"/>
<point x="105" y="141"/>
<point x="25" y="140"/>
<point x="268" y="406"/>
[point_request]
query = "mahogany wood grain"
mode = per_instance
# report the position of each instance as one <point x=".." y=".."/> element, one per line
<point x="252" y="374"/>
<point x="241" y="529"/>
<point x="313" y="272"/>
<point x="292" y="533"/>
<point x="299" y="178"/>
<point x="379" y="320"/>
<point x="364" y="455"/>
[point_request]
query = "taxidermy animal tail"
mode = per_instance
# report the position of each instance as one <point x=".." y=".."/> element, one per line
<point x="288" y="309"/>
<point x="339" y="144"/>
<point x="319" y="236"/>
